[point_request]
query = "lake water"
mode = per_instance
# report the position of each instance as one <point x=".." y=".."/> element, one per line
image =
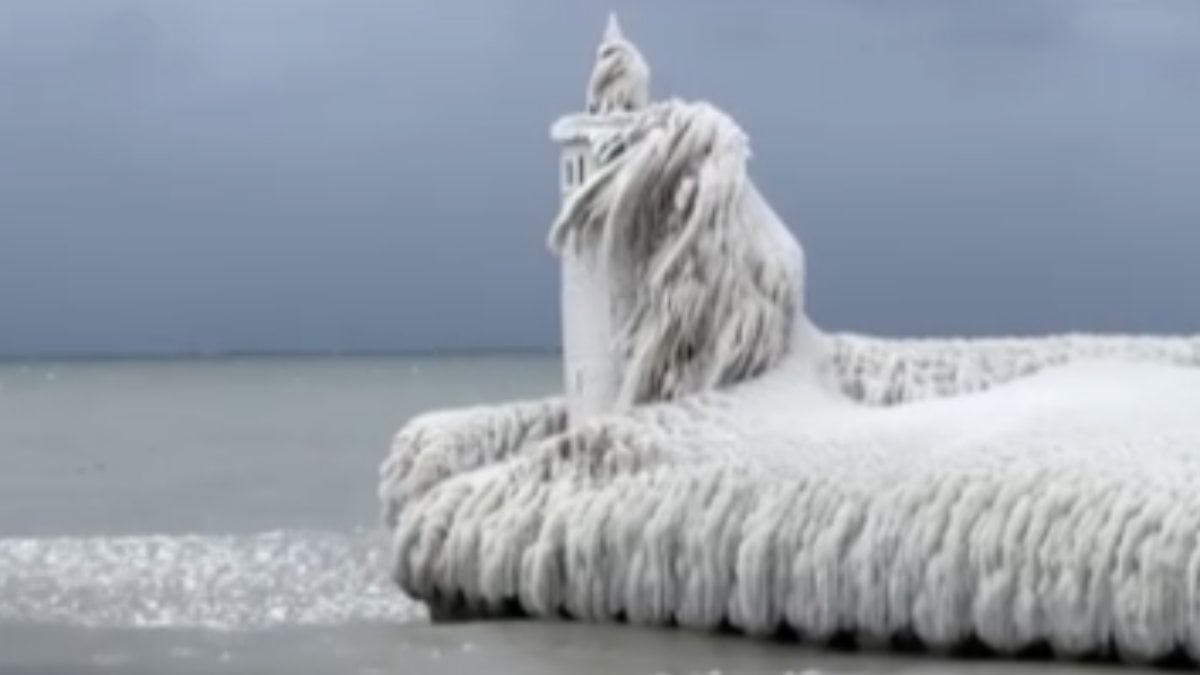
<point x="209" y="515"/>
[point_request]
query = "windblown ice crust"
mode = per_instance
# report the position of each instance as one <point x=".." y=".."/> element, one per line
<point x="705" y="279"/>
<point x="1061" y="508"/>
<point x="753" y="471"/>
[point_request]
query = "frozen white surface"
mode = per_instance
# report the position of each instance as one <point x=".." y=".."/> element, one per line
<point x="590" y="366"/>
<point x="592" y="303"/>
<point x="621" y="78"/>
<point x="889" y="371"/>
<point x="705" y="282"/>
<point x="1063" y="507"/>
<point x="757" y="472"/>
<point x="230" y="582"/>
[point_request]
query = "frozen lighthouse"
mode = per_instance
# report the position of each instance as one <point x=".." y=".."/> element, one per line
<point x="717" y="460"/>
<point x="618" y="88"/>
<point x="700" y="290"/>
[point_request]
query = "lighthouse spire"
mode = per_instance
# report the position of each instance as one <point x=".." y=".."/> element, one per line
<point x="612" y="30"/>
<point x="621" y="78"/>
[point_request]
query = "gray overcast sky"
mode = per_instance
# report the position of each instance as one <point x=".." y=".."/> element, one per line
<point x="216" y="175"/>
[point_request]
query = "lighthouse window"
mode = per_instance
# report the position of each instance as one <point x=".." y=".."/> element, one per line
<point x="581" y="171"/>
<point x="568" y="171"/>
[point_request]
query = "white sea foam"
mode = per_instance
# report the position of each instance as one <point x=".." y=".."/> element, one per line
<point x="223" y="582"/>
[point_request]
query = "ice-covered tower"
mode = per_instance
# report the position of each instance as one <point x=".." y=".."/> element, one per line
<point x="618" y="88"/>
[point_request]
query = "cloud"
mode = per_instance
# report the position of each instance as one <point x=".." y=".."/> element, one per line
<point x="308" y="174"/>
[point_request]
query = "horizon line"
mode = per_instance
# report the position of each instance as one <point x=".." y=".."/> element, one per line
<point x="216" y="355"/>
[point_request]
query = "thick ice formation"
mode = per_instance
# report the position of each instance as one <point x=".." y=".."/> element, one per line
<point x="704" y="279"/>
<point x="621" y="78"/>
<point x="756" y="472"/>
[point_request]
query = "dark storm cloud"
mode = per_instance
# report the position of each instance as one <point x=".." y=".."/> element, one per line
<point x="319" y="175"/>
